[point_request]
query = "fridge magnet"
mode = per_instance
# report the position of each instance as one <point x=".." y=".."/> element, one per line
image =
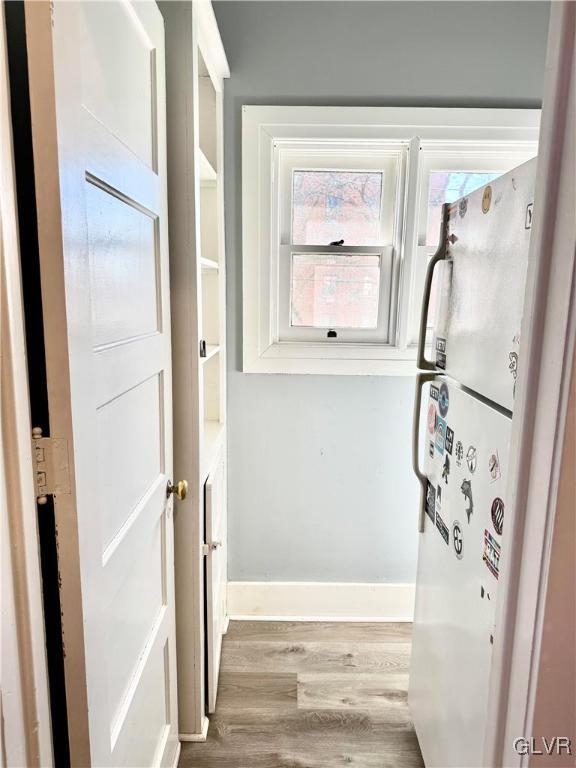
<point x="513" y="368"/>
<point x="431" y="502"/>
<point x="471" y="458"/>
<point x="443" y="400"/>
<point x="494" y="467"/>
<point x="431" y="449"/>
<point x="466" y="489"/>
<point x="440" y="435"/>
<point x="457" y="539"/>
<point x="434" y="392"/>
<point x="491" y="554"/>
<point x="449" y="440"/>
<point x="463" y="207"/>
<point x="486" y="199"/>
<point x="446" y="469"/>
<point x="438" y="499"/>
<point x="441" y="353"/>
<point x="459" y="453"/>
<point x="431" y="418"/>
<point x="441" y="525"/>
<point x="528" y="219"/>
<point x="497" y="513"/>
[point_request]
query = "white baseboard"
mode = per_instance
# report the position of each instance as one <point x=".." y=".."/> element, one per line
<point x="321" y="601"/>
<point x="202" y="736"/>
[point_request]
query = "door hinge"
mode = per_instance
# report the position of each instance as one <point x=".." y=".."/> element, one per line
<point x="51" y="466"/>
<point x="210" y="547"/>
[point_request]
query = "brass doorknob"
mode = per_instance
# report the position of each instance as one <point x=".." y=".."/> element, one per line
<point x="180" y="490"/>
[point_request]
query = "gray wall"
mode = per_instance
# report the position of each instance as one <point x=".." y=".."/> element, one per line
<point x="320" y="486"/>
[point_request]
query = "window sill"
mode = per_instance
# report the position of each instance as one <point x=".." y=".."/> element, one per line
<point x="331" y="359"/>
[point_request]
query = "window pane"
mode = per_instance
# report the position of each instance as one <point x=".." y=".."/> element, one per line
<point x="336" y="205"/>
<point x="446" y="187"/>
<point x="335" y="290"/>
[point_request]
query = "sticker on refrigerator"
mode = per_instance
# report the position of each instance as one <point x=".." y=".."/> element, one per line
<point x="440" y="435"/>
<point x="443" y="400"/>
<point x="513" y="368"/>
<point x="497" y="513"/>
<point x="431" y="418"/>
<point x="528" y="219"/>
<point x="434" y="392"/>
<point x="466" y="489"/>
<point x="441" y="525"/>
<point x="459" y="453"/>
<point x="446" y="469"/>
<point x="431" y="449"/>
<point x="463" y="207"/>
<point x="438" y="499"/>
<point x="486" y="199"/>
<point x="449" y="441"/>
<point x="457" y="539"/>
<point x="431" y="502"/>
<point x="441" y="353"/>
<point x="491" y="554"/>
<point x="471" y="458"/>
<point x="494" y="467"/>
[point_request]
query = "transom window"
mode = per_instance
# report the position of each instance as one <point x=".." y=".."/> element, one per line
<point x="341" y="214"/>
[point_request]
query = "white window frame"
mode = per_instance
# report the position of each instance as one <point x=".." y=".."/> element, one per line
<point x="425" y="133"/>
<point x="385" y="157"/>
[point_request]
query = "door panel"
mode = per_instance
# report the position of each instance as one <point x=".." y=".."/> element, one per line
<point x="119" y="74"/>
<point x="99" y="144"/>
<point x="216" y="574"/>
<point x="125" y="290"/>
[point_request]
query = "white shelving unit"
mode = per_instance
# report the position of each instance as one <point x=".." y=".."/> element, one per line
<point x="196" y="67"/>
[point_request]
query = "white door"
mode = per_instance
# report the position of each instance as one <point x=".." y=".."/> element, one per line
<point x="98" y="119"/>
<point x="216" y="578"/>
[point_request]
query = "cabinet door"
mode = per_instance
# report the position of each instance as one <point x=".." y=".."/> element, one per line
<point x="215" y="506"/>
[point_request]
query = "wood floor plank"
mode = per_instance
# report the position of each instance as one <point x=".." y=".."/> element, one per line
<point x="310" y="695"/>
<point x="321" y="631"/>
<point x="288" y="656"/>
<point x="331" y="758"/>
<point x="374" y="693"/>
<point x="254" y="690"/>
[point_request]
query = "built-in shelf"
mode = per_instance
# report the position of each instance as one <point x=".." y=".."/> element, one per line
<point x="209" y="264"/>
<point x="207" y="172"/>
<point x="213" y="437"/>
<point x="211" y="350"/>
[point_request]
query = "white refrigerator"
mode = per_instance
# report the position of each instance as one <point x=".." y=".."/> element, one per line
<point x="482" y="264"/>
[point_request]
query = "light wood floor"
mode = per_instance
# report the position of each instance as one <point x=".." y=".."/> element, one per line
<point x="310" y="695"/>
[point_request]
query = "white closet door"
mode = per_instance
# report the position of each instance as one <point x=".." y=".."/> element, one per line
<point x="215" y="506"/>
<point x="98" y="111"/>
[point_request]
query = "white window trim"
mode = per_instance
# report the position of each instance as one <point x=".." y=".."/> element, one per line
<point x="429" y="128"/>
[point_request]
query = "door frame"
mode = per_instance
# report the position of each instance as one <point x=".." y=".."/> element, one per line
<point x="538" y="425"/>
<point x="26" y="723"/>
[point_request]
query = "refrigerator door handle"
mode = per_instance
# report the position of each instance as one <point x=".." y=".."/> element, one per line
<point x="421" y="379"/>
<point x="440" y="255"/>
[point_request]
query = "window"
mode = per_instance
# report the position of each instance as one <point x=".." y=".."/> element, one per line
<point x="338" y="217"/>
<point x="341" y="213"/>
